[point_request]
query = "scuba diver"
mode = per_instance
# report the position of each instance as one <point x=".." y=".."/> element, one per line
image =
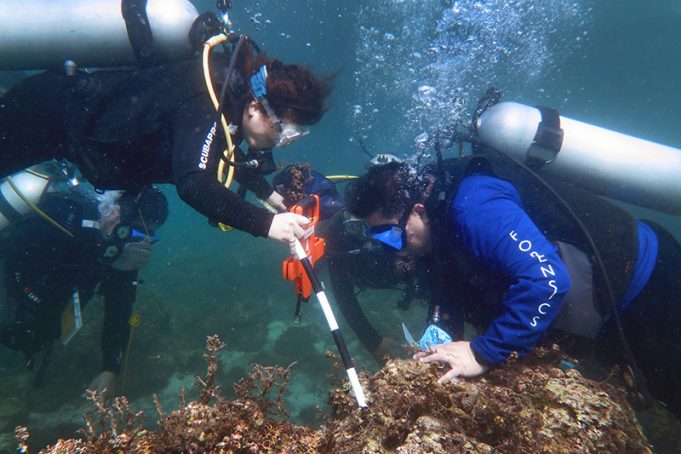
<point x="76" y="244"/>
<point x="157" y="123"/>
<point x="354" y="261"/>
<point x="356" y="264"/>
<point x="502" y="254"/>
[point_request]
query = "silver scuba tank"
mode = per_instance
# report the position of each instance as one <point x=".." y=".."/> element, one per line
<point x="16" y="191"/>
<point x="609" y="163"/>
<point x="42" y="34"/>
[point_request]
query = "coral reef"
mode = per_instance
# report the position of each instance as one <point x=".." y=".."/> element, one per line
<point x="528" y="405"/>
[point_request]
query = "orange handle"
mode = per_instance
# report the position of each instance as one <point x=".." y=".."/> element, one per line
<point x="292" y="269"/>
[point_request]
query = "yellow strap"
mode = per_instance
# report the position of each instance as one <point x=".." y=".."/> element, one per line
<point x="229" y="151"/>
<point x="134" y="322"/>
<point x="341" y="177"/>
<point x="67" y="320"/>
<point x="267" y="206"/>
<point x="144" y="224"/>
<point x="37" y="174"/>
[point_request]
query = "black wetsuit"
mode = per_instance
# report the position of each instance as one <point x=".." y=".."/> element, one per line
<point x="351" y="267"/>
<point x="128" y="128"/>
<point x="44" y="267"/>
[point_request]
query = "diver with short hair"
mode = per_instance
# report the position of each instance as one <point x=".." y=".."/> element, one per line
<point x="50" y="273"/>
<point x="504" y="256"/>
<point x="354" y="261"/>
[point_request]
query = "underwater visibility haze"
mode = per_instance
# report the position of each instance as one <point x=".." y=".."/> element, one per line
<point x="401" y="69"/>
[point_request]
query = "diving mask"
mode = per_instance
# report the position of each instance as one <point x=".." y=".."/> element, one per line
<point x="287" y="132"/>
<point x="354" y="226"/>
<point x="383" y="159"/>
<point x="391" y="235"/>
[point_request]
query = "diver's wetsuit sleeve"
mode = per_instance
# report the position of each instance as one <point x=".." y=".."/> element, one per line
<point x="340" y="272"/>
<point x="32" y="126"/>
<point x="118" y="289"/>
<point x="488" y="215"/>
<point x="194" y="165"/>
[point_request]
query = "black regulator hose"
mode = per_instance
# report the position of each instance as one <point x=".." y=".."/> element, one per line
<point x="226" y="92"/>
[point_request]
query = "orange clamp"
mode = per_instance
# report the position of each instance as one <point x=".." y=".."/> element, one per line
<point x="292" y="269"/>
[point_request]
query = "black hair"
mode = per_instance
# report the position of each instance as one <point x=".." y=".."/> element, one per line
<point x="390" y="189"/>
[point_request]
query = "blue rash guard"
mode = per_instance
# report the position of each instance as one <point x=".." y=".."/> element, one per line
<point x="647" y="256"/>
<point x="488" y="214"/>
<point x="330" y="202"/>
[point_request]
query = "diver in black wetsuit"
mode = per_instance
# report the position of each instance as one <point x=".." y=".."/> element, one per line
<point x="103" y="241"/>
<point x="129" y="128"/>
<point x="356" y="264"/>
<point x="353" y="263"/>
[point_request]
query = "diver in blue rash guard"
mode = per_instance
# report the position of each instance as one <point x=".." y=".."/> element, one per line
<point x="503" y="257"/>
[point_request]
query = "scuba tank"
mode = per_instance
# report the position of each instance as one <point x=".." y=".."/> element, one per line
<point x="608" y="163"/>
<point x="39" y="34"/>
<point x="19" y="193"/>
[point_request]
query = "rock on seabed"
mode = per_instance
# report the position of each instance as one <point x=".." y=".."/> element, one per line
<point x="527" y="405"/>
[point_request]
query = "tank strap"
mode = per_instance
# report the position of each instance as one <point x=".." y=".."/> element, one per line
<point x="547" y="141"/>
<point x="139" y="30"/>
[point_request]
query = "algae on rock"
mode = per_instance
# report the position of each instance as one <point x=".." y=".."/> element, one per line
<point x="526" y="405"/>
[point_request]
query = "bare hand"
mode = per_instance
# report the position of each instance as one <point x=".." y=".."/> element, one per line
<point x="286" y="227"/>
<point x="459" y="357"/>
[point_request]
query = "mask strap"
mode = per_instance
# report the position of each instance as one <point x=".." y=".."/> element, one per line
<point x="259" y="90"/>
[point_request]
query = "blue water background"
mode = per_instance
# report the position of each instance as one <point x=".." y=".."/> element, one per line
<point x="402" y="68"/>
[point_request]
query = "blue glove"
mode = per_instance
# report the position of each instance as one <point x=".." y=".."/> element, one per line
<point x="434" y="336"/>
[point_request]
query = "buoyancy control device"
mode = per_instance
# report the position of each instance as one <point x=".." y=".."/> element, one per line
<point x="609" y="163"/>
<point x="622" y="167"/>
<point x="40" y="34"/>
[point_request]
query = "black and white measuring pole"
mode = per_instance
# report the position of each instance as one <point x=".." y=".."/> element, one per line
<point x="333" y="325"/>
